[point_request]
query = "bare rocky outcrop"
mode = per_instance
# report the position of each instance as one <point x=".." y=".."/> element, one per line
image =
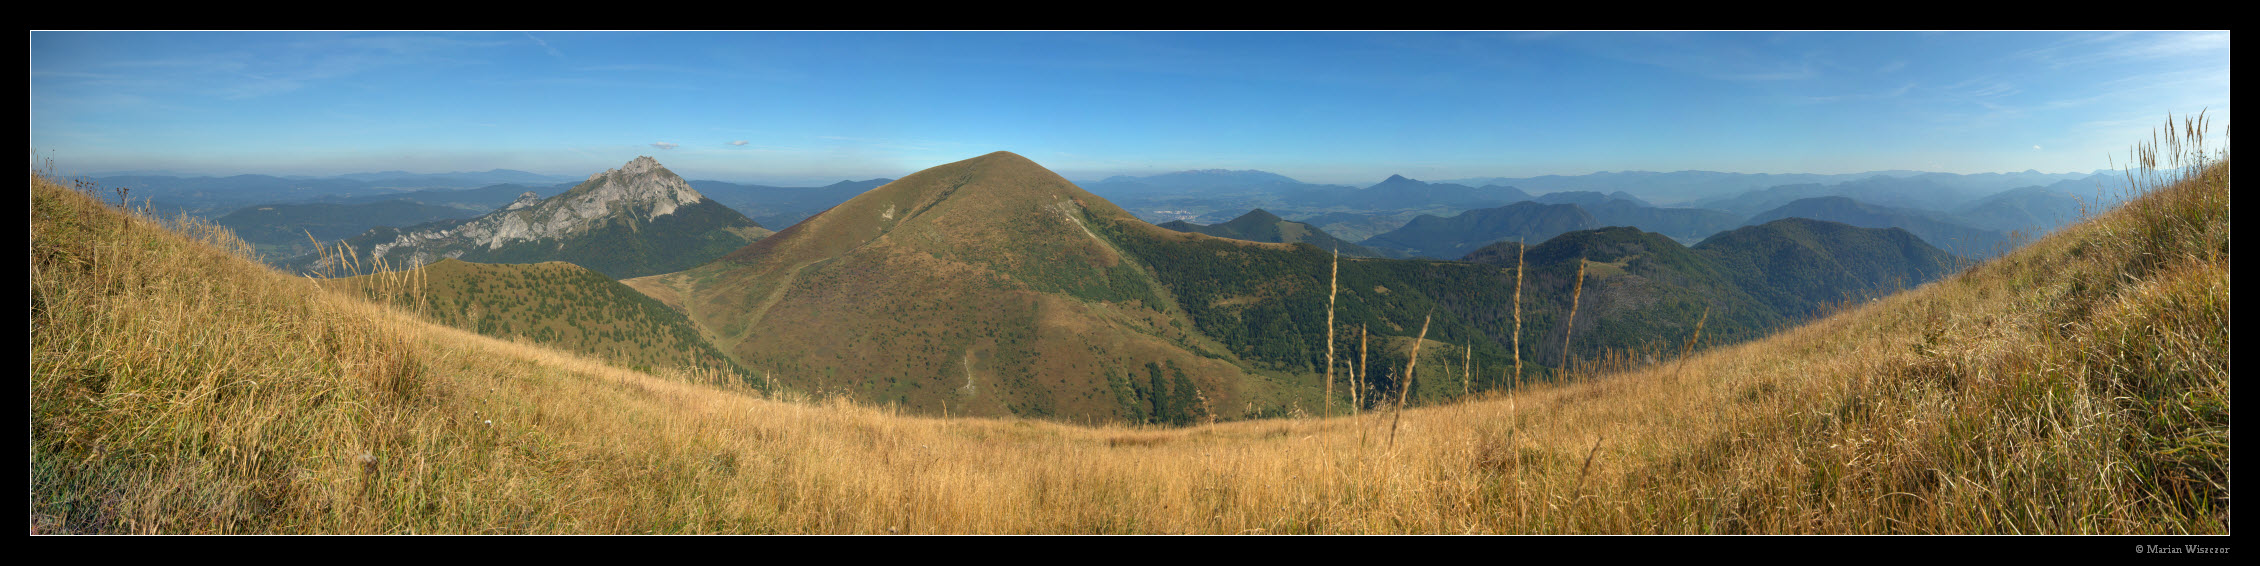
<point x="641" y="189"/>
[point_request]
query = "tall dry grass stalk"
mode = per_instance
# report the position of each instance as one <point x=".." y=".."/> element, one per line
<point x="1404" y="387"/>
<point x="1517" y="380"/>
<point x="1467" y="370"/>
<point x="1333" y="287"/>
<point x="1571" y="325"/>
<point x="1684" y="351"/>
<point x="1356" y="400"/>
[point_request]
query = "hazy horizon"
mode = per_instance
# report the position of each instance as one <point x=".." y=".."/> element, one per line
<point x="1077" y="177"/>
<point x="1328" y="108"/>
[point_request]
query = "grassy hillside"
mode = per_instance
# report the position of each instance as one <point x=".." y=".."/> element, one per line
<point x="2079" y="385"/>
<point x="554" y="304"/>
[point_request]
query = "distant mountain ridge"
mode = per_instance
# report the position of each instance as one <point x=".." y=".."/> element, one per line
<point x="1260" y="225"/>
<point x="783" y="206"/>
<point x="282" y="231"/>
<point x="1456" y="236"/>
<point x="1694" y="187"/>
<point x="2029" y="210"/>
<point x="1934" y="228"/>
<point x="460" y="179"/>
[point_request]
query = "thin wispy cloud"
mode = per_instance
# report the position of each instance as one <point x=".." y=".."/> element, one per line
<point x="740" y="143"/>
<point x="2116" y="47"/>
<point x="665" y="145"/>
<point x="553" y="52"/>
<point x="1879" y="95"/>
<point x="1730" y="57"/>
<point x="262" y="64"/>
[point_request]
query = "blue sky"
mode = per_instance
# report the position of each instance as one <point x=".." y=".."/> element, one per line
<point x="1339" y="107"/>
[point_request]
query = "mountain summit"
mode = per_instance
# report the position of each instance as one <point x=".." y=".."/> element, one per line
<point x="636" y="220"/>
<point x="989" y="286"/>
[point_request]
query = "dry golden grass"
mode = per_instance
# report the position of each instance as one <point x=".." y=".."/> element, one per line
<point x="2077" y="386"/>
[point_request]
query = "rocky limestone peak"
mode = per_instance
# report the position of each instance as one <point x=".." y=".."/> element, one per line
<point x="640" y="165"/>
<point x="525" y="199"/>
<point x="643" y="188"/>
<point x="642" y="183"/>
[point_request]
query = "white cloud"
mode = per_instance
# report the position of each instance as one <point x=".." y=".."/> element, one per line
<point x="739" y="142"/>
<point x="665" y="145"/>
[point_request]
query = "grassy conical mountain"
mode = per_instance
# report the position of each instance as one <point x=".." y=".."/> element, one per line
<point x="639" y="219"/>
<point x="976" y="287"/>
